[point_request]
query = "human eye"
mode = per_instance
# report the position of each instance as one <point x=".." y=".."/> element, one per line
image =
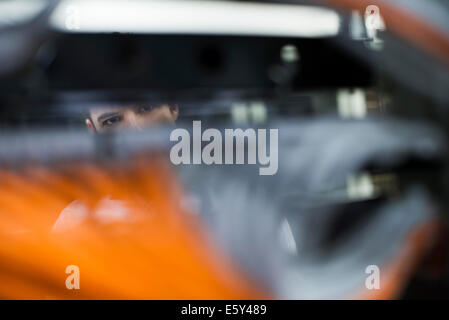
<point x="144" y="109"/>
<point x="108" y="122"/>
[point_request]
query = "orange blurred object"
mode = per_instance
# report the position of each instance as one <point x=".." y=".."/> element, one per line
<point x="160" y="251"/>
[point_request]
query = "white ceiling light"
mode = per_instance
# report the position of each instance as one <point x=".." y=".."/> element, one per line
<point x="194" y="17"/>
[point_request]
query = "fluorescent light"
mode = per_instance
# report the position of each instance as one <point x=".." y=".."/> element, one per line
<point x="194" y="17"/>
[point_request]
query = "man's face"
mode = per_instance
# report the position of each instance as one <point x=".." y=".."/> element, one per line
<point x="104" y="119"/>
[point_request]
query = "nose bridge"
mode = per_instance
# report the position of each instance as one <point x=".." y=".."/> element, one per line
<point x="132" y="119"/>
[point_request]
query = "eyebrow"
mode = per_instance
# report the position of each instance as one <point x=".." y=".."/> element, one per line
<point x="107" y="115"/>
